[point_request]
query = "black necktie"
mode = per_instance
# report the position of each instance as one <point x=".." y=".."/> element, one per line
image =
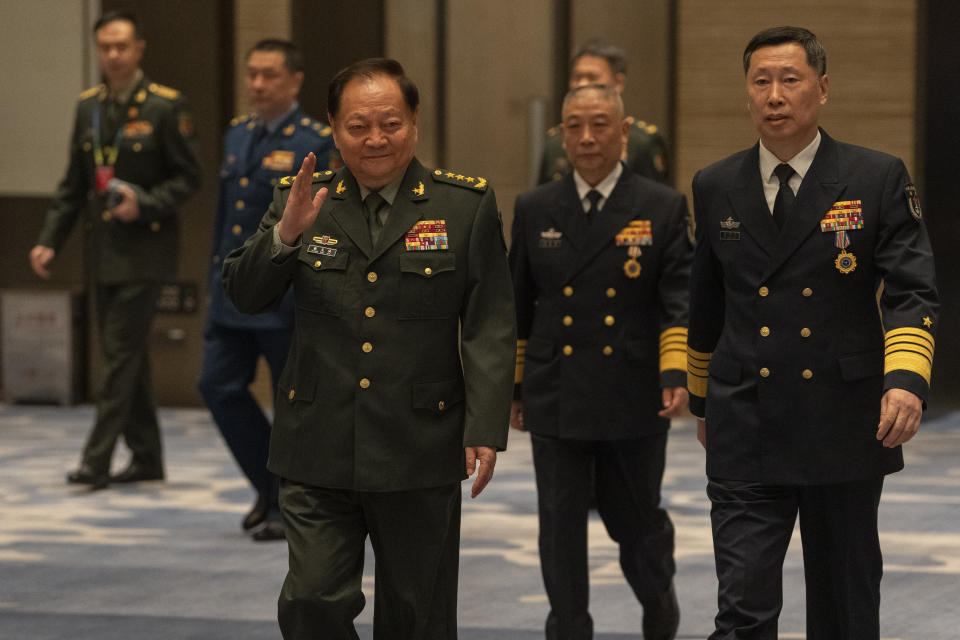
<point x="374" y="204"/>
<point x="594" y="197"/>
<point x="783" y="205"/>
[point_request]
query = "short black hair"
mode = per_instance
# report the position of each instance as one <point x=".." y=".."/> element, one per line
<point x="292" y="58"/>
<point x="113" y="16"/>
<point x="599" y="48"/>
<point x="368" y="69"/>
<point x="816" y="54"/>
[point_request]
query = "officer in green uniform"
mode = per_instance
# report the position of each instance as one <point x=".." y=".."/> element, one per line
<point x="132" y="163"/>
<point x="399" y="379"/>
<point x="599" y="62"/>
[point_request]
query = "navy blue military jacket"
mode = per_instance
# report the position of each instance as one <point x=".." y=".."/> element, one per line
<point x="253" y="165"/>
<point x="601" y="308"/>
<point x="788" y="352"/>
<point x="403" y="351"/>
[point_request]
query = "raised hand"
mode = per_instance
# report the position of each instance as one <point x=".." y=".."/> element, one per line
<point x="301" y="209"/>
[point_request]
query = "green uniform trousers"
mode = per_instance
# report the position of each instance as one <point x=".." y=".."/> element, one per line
<point x="125" y="404"/>
<point x="416" y="543"/>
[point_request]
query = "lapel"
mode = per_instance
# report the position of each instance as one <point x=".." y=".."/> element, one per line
<point x="750" y="205"/>
<point x="404" y="212"/>
<point x="624" y="201"/>
<point x="346" y="209"/>
<point x="253" y="159"/>
<point x="818" y="191"/>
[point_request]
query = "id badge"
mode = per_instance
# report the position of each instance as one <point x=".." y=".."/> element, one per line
<point x="104" y="176"/>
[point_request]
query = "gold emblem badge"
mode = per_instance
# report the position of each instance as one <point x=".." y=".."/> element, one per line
<point x="846" y="262"/>
<point x="418" y="191"/>
<point x="340" y="187"/>
<point x="631" y="268"/>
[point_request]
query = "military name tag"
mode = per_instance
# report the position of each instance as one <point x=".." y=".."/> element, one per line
<point x="427" y="235"/>
<point x="551" y="239"/>
<point x="321" y="250"/>
<point x="279" y="161"/>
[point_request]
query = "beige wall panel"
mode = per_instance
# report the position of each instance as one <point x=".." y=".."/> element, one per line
<point x="871" y="59"/>
<point x="499" y="60"/>
<point x="255" y="20"/>
<point x="411" y="38"/>
<point x="642" y="28"/>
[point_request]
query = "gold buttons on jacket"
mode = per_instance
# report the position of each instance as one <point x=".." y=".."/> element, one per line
<point x="441" y="405"/>
<point x="154" y="226"/>
<point x="764" y="372"/>
<point x="240" y="205"/>
<point x="764" y="292"/>
<point x="106" y="215"/>
<point x="237" y="229"/>
<point x="369" y="312"/>
<point x="764" y="331"/>
<point x="137" y="147"/>
<point x="568" y="291"/>
<point x="807" y="374"/>
<point x="567" y="321"/>
<point x="372" y="276"/>
<point x="428" y="270"/>
<point x="291" y="395"/>
<point x="318" y="264"/>
<point x="364" y="383"/>
<point x="611" y="292"/>
<point x="367" y="347"/>
<point x="244" y="181"/>
<point x="807" y="292"/>
<point x="608" y="320"/>
<point x="607" y="350"/>
<point x="805" y="333"/>
<point x="567" y="349"/>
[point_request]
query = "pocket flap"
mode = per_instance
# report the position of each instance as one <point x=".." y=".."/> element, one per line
<point x="725" y="369"/>
<point x="438" y="397"/>
<point x="427" y="263"/>
<point x="302" y="391"/>
<point x="861" y="365"/>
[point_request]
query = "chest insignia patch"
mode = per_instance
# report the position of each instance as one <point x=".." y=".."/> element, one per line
<point x="325" y="240"/>
<point x="278" y="161"/>
<point x="843" y="216"/>
<point x="427" y="235"/>
<point x="551" y="239"/>
<point x="636" y="233"/>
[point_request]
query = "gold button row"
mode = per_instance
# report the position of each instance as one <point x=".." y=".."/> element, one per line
<point x="568" y="291"/>
<point x="807" y="373"/>
<point x="765" y="331"/>
<point x="765" y="291"/>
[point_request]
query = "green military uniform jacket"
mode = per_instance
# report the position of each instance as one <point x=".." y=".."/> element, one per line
<point x="646" y="154"/>
<point x="156" y="157"/>
<point x="402" y="353"/>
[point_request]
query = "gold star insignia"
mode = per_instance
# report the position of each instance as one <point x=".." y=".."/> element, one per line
<point x="460" y="176"/>
<point x="469" y="179"/>
<point x="450" y="174"/>
<point x="927" y="322"/>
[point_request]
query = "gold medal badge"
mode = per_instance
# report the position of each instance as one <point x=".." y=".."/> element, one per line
<point x="846" y="262"/>
<point x="631" y="268"/>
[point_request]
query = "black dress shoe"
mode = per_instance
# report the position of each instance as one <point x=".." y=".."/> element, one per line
<point x="271" y="530"/>
<point x="257" y="514"/>
<point x="136" y="473"/>
<point x="661" y="619"/>
<point x="84" y="474"/>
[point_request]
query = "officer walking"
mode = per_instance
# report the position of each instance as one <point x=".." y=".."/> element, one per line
<point x="132" y="164"/>
<point x="258" y="150"/>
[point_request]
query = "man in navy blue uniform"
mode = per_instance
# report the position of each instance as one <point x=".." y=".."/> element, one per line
<point x="259" y="149"/>
<point x="600" y="261"/>
<point x="812" y="313"/>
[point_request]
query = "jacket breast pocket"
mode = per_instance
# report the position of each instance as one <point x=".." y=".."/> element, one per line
<point x="428" y="285"/>
<point x="320" y="281"/>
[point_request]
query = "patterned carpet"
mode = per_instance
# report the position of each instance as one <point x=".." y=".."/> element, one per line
<point x="169" y="561"/>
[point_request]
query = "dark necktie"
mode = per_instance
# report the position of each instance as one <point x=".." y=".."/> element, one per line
<point x="594" y="197"/>
<point x="783" y="205"/>
<point x="374" y="204"/>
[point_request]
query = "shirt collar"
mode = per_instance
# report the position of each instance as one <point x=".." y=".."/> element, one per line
<point x="605" y="186"/>
<point x="273" y="125"/>
<point x="800" y="162"/>
<point x="388" y="192"/>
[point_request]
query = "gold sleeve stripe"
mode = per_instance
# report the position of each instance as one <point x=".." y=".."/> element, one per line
<point x="909" y="349"/>
<point x="697" y="362"/>
<point x="673" y="349"/>
<point x="521" y="357"/>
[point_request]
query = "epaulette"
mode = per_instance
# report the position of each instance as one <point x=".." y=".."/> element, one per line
<point x="92" y="91"/>
<point x="318" y="176"/>
<point x="241" y="119"/>
<point x="480" y="184"/>
<point x="163" y="92"/>
<point x="553" y="131"/>
<point x="649" y="129"/>
<point x="322" y="129"/>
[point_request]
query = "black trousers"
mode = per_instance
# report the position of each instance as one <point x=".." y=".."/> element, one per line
<point x="628" y="475"/>
<point x="416" y="542"/>
<point x="125" y="405"/>
<point x="752" y="525"/>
